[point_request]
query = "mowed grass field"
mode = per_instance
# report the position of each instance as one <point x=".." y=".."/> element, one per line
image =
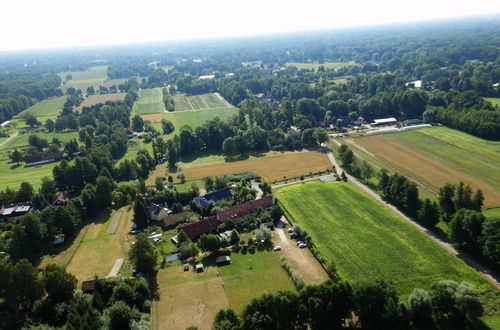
<point x="46" y="109"/>
<point x="271" y="166"/>
<point x="190" y="298"/>
<point x="96" y="99"/>
<point x="198" y="118"/>
<point x="93" y="252"/>
<point x="439" y="155"/>
<point x="150" y="102"/>
<point x="326" y="65"/>
<point x="197" y="102"/>
<point x="368" y="242"/>
<point x="83" y="79"/>
<point x="494" y="100"/>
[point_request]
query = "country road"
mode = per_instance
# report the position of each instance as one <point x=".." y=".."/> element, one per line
<point x="484" y="271"/>
<point x="8" y="139"/>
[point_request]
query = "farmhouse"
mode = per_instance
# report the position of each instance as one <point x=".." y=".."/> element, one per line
<point x="44" y="158"/>
<point x="243" y="210"/>
<point x="130" y="133"/>
<point x="384" y="121"/>
<point x="204" y="226"/>
<point x="157" y="212"/>
<point x="60" y="199"/>
<point x="210" y="198"/>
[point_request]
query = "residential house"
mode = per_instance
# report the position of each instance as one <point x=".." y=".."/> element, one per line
<point x="211" y="198"/>
<point x="246" y="209"/>
<point x="44" y="158"/>
<point x="204" y="226"/>
<point x="60" y="199"/>
<point x="157" y="212"/>
<point x="14" y="211"/>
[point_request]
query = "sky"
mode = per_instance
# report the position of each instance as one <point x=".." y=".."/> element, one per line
<point x="28" y="24"/>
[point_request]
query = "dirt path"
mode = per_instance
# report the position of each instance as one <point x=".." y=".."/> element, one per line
<point x="255" y="185"/>
<point x="113" y="223"/>
<point x="8" y="139"/>
<point x="200" y="109"/>
<point x="116" y="267"/>
<point x="484" y="271"/>
<point x="301" y="260"/>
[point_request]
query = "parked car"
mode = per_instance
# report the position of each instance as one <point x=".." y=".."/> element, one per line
<point x="302" y="245"/>
<point x="290" y="230"/>
<point x="300" y="242"/>
<point x="277" y="248"/>
<point x="293" y="235"/>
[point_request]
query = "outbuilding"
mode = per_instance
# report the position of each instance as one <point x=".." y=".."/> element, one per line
<point x="223" y="260"/>
<point x="199" y="268"/>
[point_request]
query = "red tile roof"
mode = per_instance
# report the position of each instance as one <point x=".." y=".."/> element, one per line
<point x="246" y="209"/>
<point x="88" y="285"/>
<point x="60" y="199"/>
<point x="203" y="226"/>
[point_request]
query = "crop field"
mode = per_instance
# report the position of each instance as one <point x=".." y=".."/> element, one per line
<point x="435" y="156"/>
<point x="96" y="99"/>
<point x="271" y="166"/>
<point x="189" y="298"/>
<point x="83" y="79"/>
<point x="150" y="101"/>
<point x="326" y="65"/>
<point x="46" y="109"/>
<point x="197" y="118"/>
<point x="494" y="100"/>
<point x="114" y="82"/>
<point x="367" y="242"/>
<point x="93" y="252"/>
<point x="199" y="102"/>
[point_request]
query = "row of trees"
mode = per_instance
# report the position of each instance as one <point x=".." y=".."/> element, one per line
<point x="368" y="306"/>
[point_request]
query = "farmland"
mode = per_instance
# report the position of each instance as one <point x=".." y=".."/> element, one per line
<point x="93" y="251"/>
<point x="198" y="102"/>
<point x="326" y="65"/>
<point x="46" y="109"/>
<point x="83" y="79"/>
<point x="248" y="276"/>
<point x="367" y="242"/>
<point x="271" y="166"/>
<point x="98" y="98"/>
<point x="197" y="118"/>
<point x="150" y="102"/>
<point x="435" y="156"/>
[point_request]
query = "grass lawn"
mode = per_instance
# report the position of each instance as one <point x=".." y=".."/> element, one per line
<point x="494" y="100"/>
<point x="22" y="140"/>
<point x="150" y="101"/>
<point x="439" y="155"/>
<point x="492" y="213"/>
<point x="190" y="298"/>
<point x="326" y="65"/>
<point x="368" y="242"/>
<point x="93" y="252"/>
<point x="83" y="79"/>
<point x="271" y="166"/>
<point x="197" y="118"/>
<point x="46" y="109"/>
<point x="196" y="102"/>
<point x="134" y="145"/>
<point x="96" y="99"/>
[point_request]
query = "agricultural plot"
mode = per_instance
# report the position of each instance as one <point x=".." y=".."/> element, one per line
<point x="232" y="286"/>
<point x="46" y="109"/>
<point x="367" y="242"/>
<point x="326" y="65"/>
<point x="198" y="118"/>
<point x="150" y="102"/>
<point x="96" y="99"/>
<point x="435" y="156"/>
<point x="83" y="79"/>
<point x="271" y="167"/>
<point x="199" y="102"/>
<point x="94" y="251"/>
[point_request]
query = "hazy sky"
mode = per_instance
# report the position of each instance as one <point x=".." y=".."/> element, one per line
<point x="56" y="23"/>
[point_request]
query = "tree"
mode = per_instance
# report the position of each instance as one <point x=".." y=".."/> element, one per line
<point x="16" y="156"/>
<point x="141" y="216"/>
<point x="477" y="200"/>
<point x="420" y="308"/>
<point x="104" y="191"/>
<point x="235" y="237"/>
<point x="446" y="201"/>
<point x="188" y="249"/>
<point x="229" y="147"/>
<point x="137" y="124"/>
<point x="120" y="316"/>
<point x="276" y="213"/>
<point x="263" y="234"/>
<point x="31" y="120"/>
<point x="25" y="287"/>
<point x="343" y="176"/>
<point x="466" y="227"/>
<point x="265" y="187"/>
<point x="89" y="199"/>
<point x="209" y="242"/>
<point x="308" y="138"/>
<point x="48" y="189"/>
<point x="25" y="192"/>
<point x="159" y="184"/>
<point x="320" y="135"/>
<point x="226" y="319"/>
<point x="491" y="241"/>
<point x="82" y="314"/>
<point x="58" y="284"/>
<point x="143" y="255"/>
<point x="428" y="214"/>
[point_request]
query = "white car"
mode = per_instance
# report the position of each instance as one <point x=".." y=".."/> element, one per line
<point x="302" y="245"/>
<point x="277" y="248"/>
<point x="300" y="242"/>
<point x="290" y="230"/>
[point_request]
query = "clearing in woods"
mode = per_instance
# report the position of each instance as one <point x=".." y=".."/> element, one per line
<point x="93" y="251"/>
<point x="83" y="79"/>
<point x="100" y="98"/>
<point x="439" y="155"/>
<point x="494" y="100"/>
<point x="271" y="166"/>
<point x="326" y="65"/>
<point x="198" y="118"/>
<point x="46" y="109"/>
<point x="190" y="298"/>
<point x="150" y="101"/>
<point x="368" y="242"/>
<point x="199" y="102"/>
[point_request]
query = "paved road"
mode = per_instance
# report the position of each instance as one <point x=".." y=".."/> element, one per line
<point x="484" y="271"/>
<point x="8" y="139"/>
<point x="116" y="267"/>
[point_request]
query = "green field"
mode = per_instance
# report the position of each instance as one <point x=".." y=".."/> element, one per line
<point x="368" y="242"/>
<point x="46" y="109"/>
<point x="326" y="65"/>
<point x="494" y="100"/>
<point x="492" y="213"/>
<point x="197" y="118"/>
<point x="83" y="79"/>
<point x="197" y="102"/>
<point x="150" y="101"/>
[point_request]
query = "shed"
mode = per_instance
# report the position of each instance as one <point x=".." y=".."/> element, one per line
<point x="223" y="260"/>
<point x="88" y="286"/>
<point x="384" y="121"/>
<point x="186" y="267"/>
<point x="199" y="268"/>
